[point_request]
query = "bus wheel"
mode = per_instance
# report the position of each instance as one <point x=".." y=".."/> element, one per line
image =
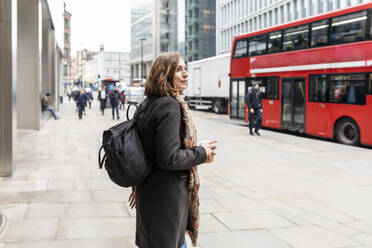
<point x="347" y="132"/>
<point x="217" y="106"/>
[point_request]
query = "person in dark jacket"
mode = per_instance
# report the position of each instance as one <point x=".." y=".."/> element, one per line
<point x="255" y="108"/>
<point x="167" y="201"/>
<point x="45" y="106"/>
<point x="115" y="101"/>
<point x="102" y="99"/>
<point x="89" y="97"/>
<point x="81" y="101"/>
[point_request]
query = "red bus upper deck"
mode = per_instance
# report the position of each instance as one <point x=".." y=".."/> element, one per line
<point x="315" y="75"/>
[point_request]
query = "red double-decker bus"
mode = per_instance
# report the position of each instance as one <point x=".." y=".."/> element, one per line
<point x="315" y="75"/>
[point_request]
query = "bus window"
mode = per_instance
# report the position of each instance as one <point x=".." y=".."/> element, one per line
<point x="319" y="33"/>
<point x="318" y="88"/>
<point x="241" y="49"/>
<point x="275" y="42"/>
<point x="269" y="87"/>
<point x="347" y="89"/>
<point x="349" y="28"/>
<point x="296" y="38"/>
<point x="370" y="84"/>
<point x="257" y="45"/>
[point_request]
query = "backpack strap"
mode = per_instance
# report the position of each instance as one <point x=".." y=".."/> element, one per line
<point x="102" y="161"/>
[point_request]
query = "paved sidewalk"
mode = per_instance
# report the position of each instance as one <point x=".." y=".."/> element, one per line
<point x="273" y="191"/>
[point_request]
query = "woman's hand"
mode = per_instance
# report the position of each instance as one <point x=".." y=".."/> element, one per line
<point x="132" y="199"/>
<point x="210" y="147"/>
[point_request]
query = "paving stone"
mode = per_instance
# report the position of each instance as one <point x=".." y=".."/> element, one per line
<point x="209" y="206"/>
<point x="95" y="185"/>
<point x="29" y="230"/>
<point x="256" y="239"/>
<point x="209" y="223"/>
<point x="53" y="196"/>
<point x="363" y="238"/>
<point x="110" y="195"/>
<point x="96" y="210"/>
<point x="241" y="204"/>
<point x="13" y="211"/>
<point x="56" y="185"/>
<point x="46" y="210"/>
<point x="15" y="185"/>
<point x="96" y="228"/>
<point x="252" y="220"/>
<point x="329" y="225"/>
<point x="311" y="236"/>
<point x="364" y="225"/>
<point x="76" y="243"/>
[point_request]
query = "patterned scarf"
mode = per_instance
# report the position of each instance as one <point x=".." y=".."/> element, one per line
<point x="190" y="140"/>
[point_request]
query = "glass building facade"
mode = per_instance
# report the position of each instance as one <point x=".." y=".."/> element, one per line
<point x="200" y="33"/>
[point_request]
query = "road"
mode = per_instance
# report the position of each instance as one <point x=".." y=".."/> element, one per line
<point x="273" y="191"/>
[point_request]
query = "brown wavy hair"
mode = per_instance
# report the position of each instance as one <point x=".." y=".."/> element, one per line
<point x="160" y="80"/>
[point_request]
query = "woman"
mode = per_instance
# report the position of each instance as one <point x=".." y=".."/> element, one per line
<point x="167" y="201"/>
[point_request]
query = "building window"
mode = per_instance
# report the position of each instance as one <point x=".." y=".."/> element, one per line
<point x="282" y="14"/>
<point x="289" y="12"/>
<point x="312" y="7"/>
<point x="296" y="38"/>
<point x="330" y="5"/>
<point x="338" y="4"/>
<point x="257" y="45"/>
<point x="348" y="28"/>
<point x="265" y="20"/>
<point x="276" y="16"/>
<point x="319" y="33"/>
<point x="303" y="9"/>
<point x="320" y="6"/>
<point x="270" y="18"/>
<point x="295" y="8"/>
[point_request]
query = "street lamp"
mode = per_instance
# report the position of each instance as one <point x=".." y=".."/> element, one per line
<point x="142" y="40"/>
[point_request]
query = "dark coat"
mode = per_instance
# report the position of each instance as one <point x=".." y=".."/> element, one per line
<point x="81" y="99"/>
<point x="114" y="98"/>
<point x="254" y="99"/>
<point x="162" y="199"/>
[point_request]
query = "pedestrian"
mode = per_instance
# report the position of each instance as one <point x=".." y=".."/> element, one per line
<point x="102" y="99"/>
<point x="167" y="202"/>
<point x="122" y="100"/>
<point x="89" y="97"/>
<point x="81" y="102"/>
<point x="69" y="92"/>
<point x="115" y="101"/>
<point x="255" y="108"/>
<point x="45" y="106"/>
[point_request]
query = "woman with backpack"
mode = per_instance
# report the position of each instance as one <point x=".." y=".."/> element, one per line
<point x="167" y="202"/>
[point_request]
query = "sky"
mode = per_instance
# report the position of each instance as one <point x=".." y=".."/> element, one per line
<point x="96" y="22"/>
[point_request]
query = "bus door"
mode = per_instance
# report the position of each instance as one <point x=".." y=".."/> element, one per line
<point x="237" y="98"/>
<point x="293" y="104"/>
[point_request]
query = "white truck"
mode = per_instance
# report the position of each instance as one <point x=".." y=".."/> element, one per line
<point x="208" y="84"/>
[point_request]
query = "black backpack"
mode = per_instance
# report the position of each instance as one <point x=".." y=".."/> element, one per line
<point x="125" y="160"/>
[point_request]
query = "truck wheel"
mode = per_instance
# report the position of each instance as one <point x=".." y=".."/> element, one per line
<point x="217" y="106"/>
<point x="347" y="132"/>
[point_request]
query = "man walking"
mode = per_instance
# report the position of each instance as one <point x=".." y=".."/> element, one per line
<point x="102" y="99"/>
<point x="114" y="101"/>
<point x="81" y="102"/>
<point x="255" y="108"/>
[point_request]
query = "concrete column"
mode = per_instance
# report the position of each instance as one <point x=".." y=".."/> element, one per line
<point x="8" y="84"/>
<point x="29" y="64"/>
<point x="46" y="79"/>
